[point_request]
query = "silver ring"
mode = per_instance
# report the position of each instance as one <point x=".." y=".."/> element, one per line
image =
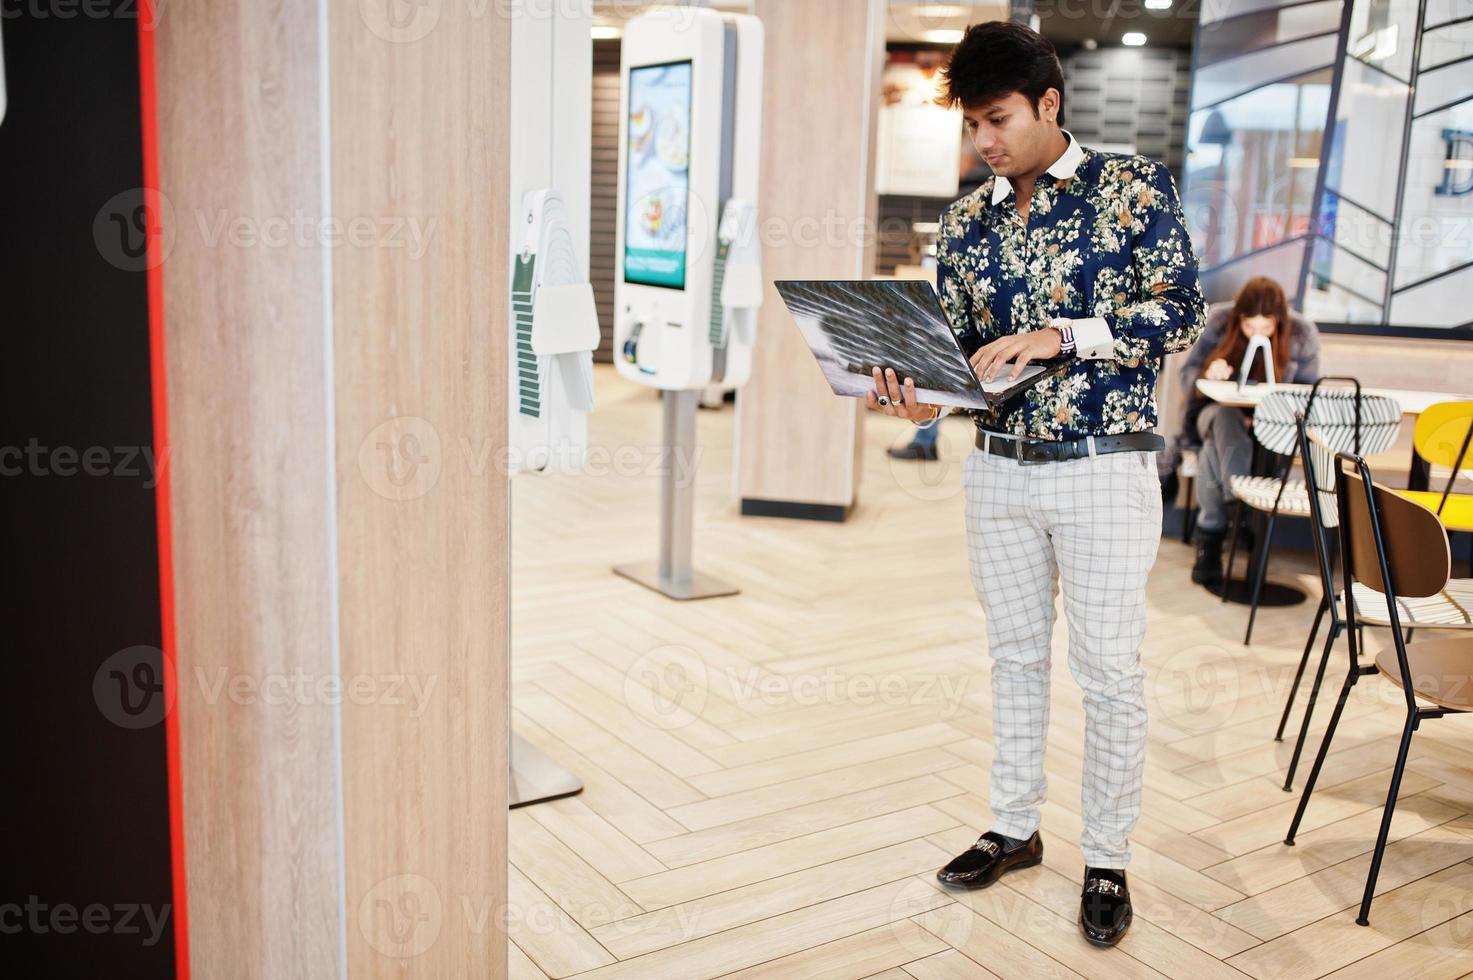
<point x="884" y="400"/>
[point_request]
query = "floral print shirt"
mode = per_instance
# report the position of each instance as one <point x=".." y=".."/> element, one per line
<point x="1105" y="244"/>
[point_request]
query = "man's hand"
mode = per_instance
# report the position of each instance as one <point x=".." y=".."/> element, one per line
<point x="1020" y="348"/>
<point x="888" y="384"/>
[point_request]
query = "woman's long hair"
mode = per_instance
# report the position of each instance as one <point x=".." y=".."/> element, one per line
<point x="1260" y="296"/>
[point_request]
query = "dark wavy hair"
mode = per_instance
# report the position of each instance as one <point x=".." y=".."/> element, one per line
<point x="1260" y="296"/>
<point x="997" y="58"/>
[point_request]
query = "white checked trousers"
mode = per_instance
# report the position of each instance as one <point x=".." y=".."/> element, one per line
<point x="1096" y="523"/>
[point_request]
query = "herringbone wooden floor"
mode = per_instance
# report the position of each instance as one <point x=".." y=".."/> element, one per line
<point x="773" y="778"/>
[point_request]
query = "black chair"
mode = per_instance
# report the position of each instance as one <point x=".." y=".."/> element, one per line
<point x="1395" y="547"/>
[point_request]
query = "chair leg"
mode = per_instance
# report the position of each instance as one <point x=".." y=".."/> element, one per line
<point x="1189" y="513"/>
<point x="1299" y="674"/>
<point x="1314" y="693"/>
<point x="1401" y="762"/>
<point x="1258" y="573"/>
<point x="1227" y="573"/>
<point x="1319" y="759"/>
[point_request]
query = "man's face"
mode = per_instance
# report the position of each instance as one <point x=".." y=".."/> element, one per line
<point x="1009" y="137"/>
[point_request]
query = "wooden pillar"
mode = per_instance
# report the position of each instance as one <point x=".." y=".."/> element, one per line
<point x="797" y="443"/>
<point x="335" y="318"/>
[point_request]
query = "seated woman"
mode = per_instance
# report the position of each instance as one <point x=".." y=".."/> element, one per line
<point x="1226" y="445"/>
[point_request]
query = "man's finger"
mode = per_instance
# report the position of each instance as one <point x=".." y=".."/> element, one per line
<point x="892" y="386"/>
<point x="998" y="359"/>
<point x="1018" y="366"/>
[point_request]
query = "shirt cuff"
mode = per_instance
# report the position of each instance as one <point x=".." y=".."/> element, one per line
<point x="1093" y="339"/>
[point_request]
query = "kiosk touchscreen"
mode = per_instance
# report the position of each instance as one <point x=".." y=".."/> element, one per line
<point x="658" y="198"/>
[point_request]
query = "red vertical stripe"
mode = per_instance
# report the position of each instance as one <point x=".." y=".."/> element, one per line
<point x="147" y="24"/>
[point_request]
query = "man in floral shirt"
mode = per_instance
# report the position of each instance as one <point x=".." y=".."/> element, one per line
<point x="1065" y="251"/>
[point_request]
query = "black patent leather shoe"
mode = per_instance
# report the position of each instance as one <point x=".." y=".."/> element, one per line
<point x="989" y="859"/>
<point x="1104" y="906"/>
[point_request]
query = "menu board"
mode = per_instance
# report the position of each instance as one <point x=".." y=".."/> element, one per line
<point x="657" y="182"/>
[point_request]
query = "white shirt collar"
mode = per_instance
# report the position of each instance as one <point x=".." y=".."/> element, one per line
<point x="1063" y="167"/>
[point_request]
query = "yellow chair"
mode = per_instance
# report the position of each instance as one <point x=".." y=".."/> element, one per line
<point x="1441" y="437"/>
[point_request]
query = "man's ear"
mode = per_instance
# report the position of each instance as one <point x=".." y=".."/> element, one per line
<point x="1048" y="105"/>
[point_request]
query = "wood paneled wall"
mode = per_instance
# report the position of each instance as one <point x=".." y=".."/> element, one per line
<point x="420" y="131"/>
<point x="336" y="408"/>
<point x="252" y="509"/>
<point x="796" y="441"/>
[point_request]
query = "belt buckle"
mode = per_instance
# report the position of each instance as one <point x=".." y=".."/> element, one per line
<point x="1031" y="452"/>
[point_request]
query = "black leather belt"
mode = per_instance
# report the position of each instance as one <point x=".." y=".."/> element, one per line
<point x="1027" y="451"/>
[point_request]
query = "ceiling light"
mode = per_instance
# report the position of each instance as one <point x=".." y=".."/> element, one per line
<point x="1158" y="4"/>
<point x="943" y="36"/>
<point x="941" y="10"/>
<point x="1133" y="39"/>
<point x="603" y="32"/>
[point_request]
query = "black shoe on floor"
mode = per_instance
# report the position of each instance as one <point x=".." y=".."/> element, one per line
<point x="913" y="452"/>
<point x="989" y="859"/>
<point x="1208" y="568"/>
<point x="1104" y="906"/>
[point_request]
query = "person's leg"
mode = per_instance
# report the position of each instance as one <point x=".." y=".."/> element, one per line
<point x="1106" y="533"/>
<point x="1227" y="451"/>
<point x="926" y="436"/>
<point x="1016" y="579"/>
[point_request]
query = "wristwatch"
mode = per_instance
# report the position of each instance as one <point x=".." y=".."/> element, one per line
<point x="1066" y="335"/>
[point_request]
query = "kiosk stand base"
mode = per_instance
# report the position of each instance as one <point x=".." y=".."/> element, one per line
<point x="696" y="586"/>
<point x="671" y="574"/>
<point x="535" y="777"/>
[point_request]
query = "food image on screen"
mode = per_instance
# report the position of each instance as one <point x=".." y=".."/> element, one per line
<point x="657" y="188"/>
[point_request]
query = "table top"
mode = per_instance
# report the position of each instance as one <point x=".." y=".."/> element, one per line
<point x="1412" y="402"/>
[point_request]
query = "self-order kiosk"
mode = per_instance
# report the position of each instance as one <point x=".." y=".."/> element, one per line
<point x="688" y="280"/>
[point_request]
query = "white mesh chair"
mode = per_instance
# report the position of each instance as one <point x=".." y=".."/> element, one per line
<point x="1347" y="420"/>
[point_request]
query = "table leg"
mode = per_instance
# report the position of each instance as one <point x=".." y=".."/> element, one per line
<point x="1420" y="477"/>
